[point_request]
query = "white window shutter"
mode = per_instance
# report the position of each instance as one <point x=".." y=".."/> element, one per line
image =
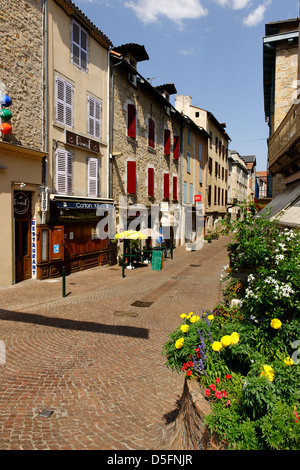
<point x="64" y="172"/>
<point x="75" y="44"/>
<point x="93" y="177"/>
<point x="94" y="117"/>
<point x="69" y="164"/>
<point x="79" y="46"/>
<point x="60" y="171"/>
<point x="64" y="102"/>
<point x="69" y="105"/>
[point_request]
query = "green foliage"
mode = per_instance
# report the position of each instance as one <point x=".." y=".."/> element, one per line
<point x="252" y="344"/>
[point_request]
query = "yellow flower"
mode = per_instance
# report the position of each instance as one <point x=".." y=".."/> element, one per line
<point x="235" y="338"/>
<point x="217" y="346"/>
<point x="179" y="343"/>
<point x="183" y="315"/>
<point x="226" y="340"/>
<point x="194" y="319"/>
<point x="268" y="372"/>
<point x="276" y="324"/>
<point x="184" y="328"/>
<point x="190" y="315"/>
<point x="288" y="361"/>
<point x="210" y="317"/>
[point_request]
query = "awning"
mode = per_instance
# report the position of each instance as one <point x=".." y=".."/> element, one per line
<point x="285" y="206"/>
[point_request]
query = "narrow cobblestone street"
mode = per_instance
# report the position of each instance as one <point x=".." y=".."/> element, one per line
<point x="94" y="359"/>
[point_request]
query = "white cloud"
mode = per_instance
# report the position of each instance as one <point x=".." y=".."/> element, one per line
<point x="234" y="4"/>
<point x="257" y="15"/>
<point x="149" y="11"/>
<point x="189" y="51"/>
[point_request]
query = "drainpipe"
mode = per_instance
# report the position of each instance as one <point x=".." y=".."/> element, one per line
<point x="45" y="101"/>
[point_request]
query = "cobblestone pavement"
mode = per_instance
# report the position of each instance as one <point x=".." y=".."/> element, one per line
<point x="94" y="359"/>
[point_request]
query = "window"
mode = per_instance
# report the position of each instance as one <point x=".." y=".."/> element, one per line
<point x="64" y="102"/>
<point x="131" y="121"/>
<point x="197" y="114"/>
<point x="185" y="193"/>
<point x="166" y="186"/>
<point x="79" y="46"/>
<point x="189" y="137"/>
<point x="167" y="142"/>
<point x="93" y="177"/>
<point x="64" y="172"/>
<point x="209" y="195"/>
<point x="94" y="117"/>
<point x="151" y="133"/>
<point x="176" y="147"/>
<point x="210" y="165"/>
<point x="151" y="182"/>
<point x="174" y="188"/>
<point x="210" y="139"/>
<point x="188" y="162"/>
<point x="200" y="151"/>
<point x="131" y="177"/>
<point x="200" y="175"/>
<point x="215" y="198"/>
<point x="191" y="193"/>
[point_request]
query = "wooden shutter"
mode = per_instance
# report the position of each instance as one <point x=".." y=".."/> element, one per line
<point x="131" y="124"/>
<point x="174" y="188"/>
<point x="93" y="177"/>
<point x="167" y="142"/>
<point x="151" y="182"/>
<point x="131" y="177"/>
<point x="176" y="147"/>
<point x="64" y="172"/>
<point x="94" y="117"/>
<point x="151" y="133"/>
<point x="166" y="186"/>
<point x="64" y="102"/>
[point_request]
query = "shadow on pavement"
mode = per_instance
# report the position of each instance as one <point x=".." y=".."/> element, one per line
<point x="67" y="324"/>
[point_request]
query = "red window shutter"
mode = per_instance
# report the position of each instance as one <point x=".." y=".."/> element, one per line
<point x="151" y="133"/>
<point x="166" y="186"/>
<point x="131" y="177"/>
<point x="150" y="182"/>
<point x="167" y="142"/>
<point x="174" y="188"/>
<point x="131" y="129"/>
<point x="176" y="147"/>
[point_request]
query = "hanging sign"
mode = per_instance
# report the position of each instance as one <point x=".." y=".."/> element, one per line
<point x="33" y="246"/>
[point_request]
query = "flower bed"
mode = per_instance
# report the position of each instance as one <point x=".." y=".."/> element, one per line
<point x="246" y="358"/>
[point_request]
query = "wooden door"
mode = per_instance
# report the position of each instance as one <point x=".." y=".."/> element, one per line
<point x="23" y="248"/>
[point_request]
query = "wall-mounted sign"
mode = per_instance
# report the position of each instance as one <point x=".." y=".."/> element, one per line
<point x="33" y="246"/>
<point x="21" y="203"/>
<point x="198" y="198"/>
<point x="44" y="201"/>
<point x="82" y="142"/>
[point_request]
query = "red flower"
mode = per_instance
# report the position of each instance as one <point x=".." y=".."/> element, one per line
<point x="183" y="367"/>
<point x="218" y="395"/>
<point x="191" y="364"/>
<point x="189" y="373"/>
<point x="224" y="394"/>
<point x="213" y="387"/>
<point x="207" y="392"/>
<point x="197" y="349"/>
<point x="217" y="380"/>
<point x="228" y="376"/>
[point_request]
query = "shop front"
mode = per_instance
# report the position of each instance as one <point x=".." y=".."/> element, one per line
<point x="71" y="237"/>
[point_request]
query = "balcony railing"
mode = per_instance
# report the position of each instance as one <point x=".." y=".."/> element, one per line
<point x="287" y="134"/>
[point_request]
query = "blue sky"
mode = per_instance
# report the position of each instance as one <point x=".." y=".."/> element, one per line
<point x="210" y="49"/>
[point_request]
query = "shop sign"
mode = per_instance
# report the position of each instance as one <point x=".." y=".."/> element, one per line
<point x="82" y="142"/>
<point x="33" y="247"/>
<point x="81" y="205"/>
<point x="21" y="203"/>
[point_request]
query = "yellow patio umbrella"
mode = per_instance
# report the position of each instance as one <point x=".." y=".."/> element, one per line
<point x="131" y="235"/>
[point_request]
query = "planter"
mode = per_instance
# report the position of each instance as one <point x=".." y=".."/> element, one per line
<point x="188" y="431"/>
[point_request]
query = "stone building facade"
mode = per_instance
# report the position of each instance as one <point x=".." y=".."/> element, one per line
<point x="217" y="160"/>
<point x="23" y="152"/>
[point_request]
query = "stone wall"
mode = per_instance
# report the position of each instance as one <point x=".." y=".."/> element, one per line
<point x="188" y="431"/>
<point x="21" y="68"/>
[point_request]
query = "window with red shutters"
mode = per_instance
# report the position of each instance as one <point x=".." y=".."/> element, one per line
<point x="166" y="186"/>
<point x="151" y="133"/>
<point x="167" y="142"/>
<point x="151" y="182"/>
<point x="176" y="147"/>
<point x="174" y="188"/>
<point x="131" y="177"/>
<point x="131" y="123"/>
